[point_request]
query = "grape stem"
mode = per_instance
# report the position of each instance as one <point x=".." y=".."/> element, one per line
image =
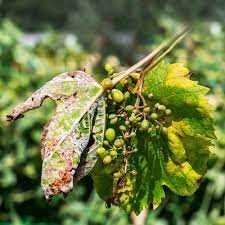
<point x="153" y="58"/>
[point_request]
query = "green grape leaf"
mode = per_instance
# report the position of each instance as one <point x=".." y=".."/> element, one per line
<point x="177" y="159"/>
<point x="67" y="134"/>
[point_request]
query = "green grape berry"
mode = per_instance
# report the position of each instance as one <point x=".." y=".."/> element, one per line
<point x="101" y="151"/>
<point x="145" y="124"/>
<point x="113" y="153"/>
<point x="114" y="120"/>
<point x="117" y="174"/>
<point x="106" y="143"/>
<point x="157" y="105"/>
<point x="112" y="116"/>
<point x="146" y="109"/>
<point x="126" y="95"/>
<point x="127" y="122"/>
<point x="154" y="116"/>
<point x="107" y="84"/>
<point x="110" y="134"/>
<point x="117" y="95"/>
<point x="109" y="68"/>
<point x="134" y="172"/>
<point x="168" y="111"/>
<point x="162" y="107"/>
<point x="129" y="108"/>
<point x="122" y="127"/>
<point x="107" y="159"/>
<point x="132" y="134"/>
<point x="164" y="130"/>
<point x="119" y="143"/>
<point x="150" y="95"/>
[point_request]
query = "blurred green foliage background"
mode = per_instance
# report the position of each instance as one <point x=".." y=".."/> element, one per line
<point x="39" y="39"/>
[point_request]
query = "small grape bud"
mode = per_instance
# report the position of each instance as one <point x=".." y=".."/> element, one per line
<point x="133" y="172"/>
<point x="146" y="109"/>
<point x="129" y="108"/>
<point x="106" y="143"/>
<point x="150" y="95"/>
<point x="110" y="134"/>
<point x="117" y="95"/>
<point x="135" y="75"/>
<point x="127" y="122"/>
<point x="113" y="153"/>
<point x="132" y="134"/>
<point x="107" y="84"/>
<point x="154" y="116"/>
<point x="136" y="111"/>
<point x="122" y="127"/>
<point x="162" y="107"/>
<point x="112" y="116"/>
<point x="117" y="174"/>
<point x="107" y="159"/>
<point x="109" y="68"/>
<point x="114" y="120"/>
<point x="168" y="111"/>
<point x="150" y="129"/>
<point x="164" y="130"/>
<point x="145" y="124"/>
<point x="157" y="105"/>
<point x="119" y="143"/>
<point x="126" y="95"/>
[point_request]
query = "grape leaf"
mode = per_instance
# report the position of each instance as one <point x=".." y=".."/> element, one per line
<point x="177" y="160"/>
<point x="64" y="138"/>
<point x="89" y="156"/>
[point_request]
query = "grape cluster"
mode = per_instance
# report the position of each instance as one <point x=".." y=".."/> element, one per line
<point x="128" y="114"/>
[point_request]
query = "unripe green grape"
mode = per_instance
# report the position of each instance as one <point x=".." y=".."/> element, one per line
<point x="157" y="105"/>
<point x="127" y="122"/>
<point x="117" y="95"/>
<point x="114" y="120"/>
<point x="145" y="124"/>
<point x="107" y="84"/>
<point x="113" y="153"/>
<point x="122" y="127"/>
<point x="117" y="174"/>
<point x="107" y="159"/>
<point x="126" y="95"/>
<point x="109" y="68"/>
<point x="164" y="130"/>
<point x="112" y="116"/>
<point x="168" y="111"/>
<point x="129" y="108"/>
<point x="101" y="151"/>
<point x="132" y="134"/>
<point x="150" y="129"/>
<point x="119" y="143"/>
<point x="146" y="109"/>
<point x="154" y="116"/>
<point x="110" y="134"/>
<point x="134" y="172"/>
<point x="150" y="95"/>
<point x="162" y="107"/>
<point x="105" y="142"/>
<point x="109" y="96"/>
<point x="135" y="75"/>
<point x="135" y="111"/>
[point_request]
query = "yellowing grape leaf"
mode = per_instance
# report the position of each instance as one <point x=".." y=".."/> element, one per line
<point x="177" y="159"/>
